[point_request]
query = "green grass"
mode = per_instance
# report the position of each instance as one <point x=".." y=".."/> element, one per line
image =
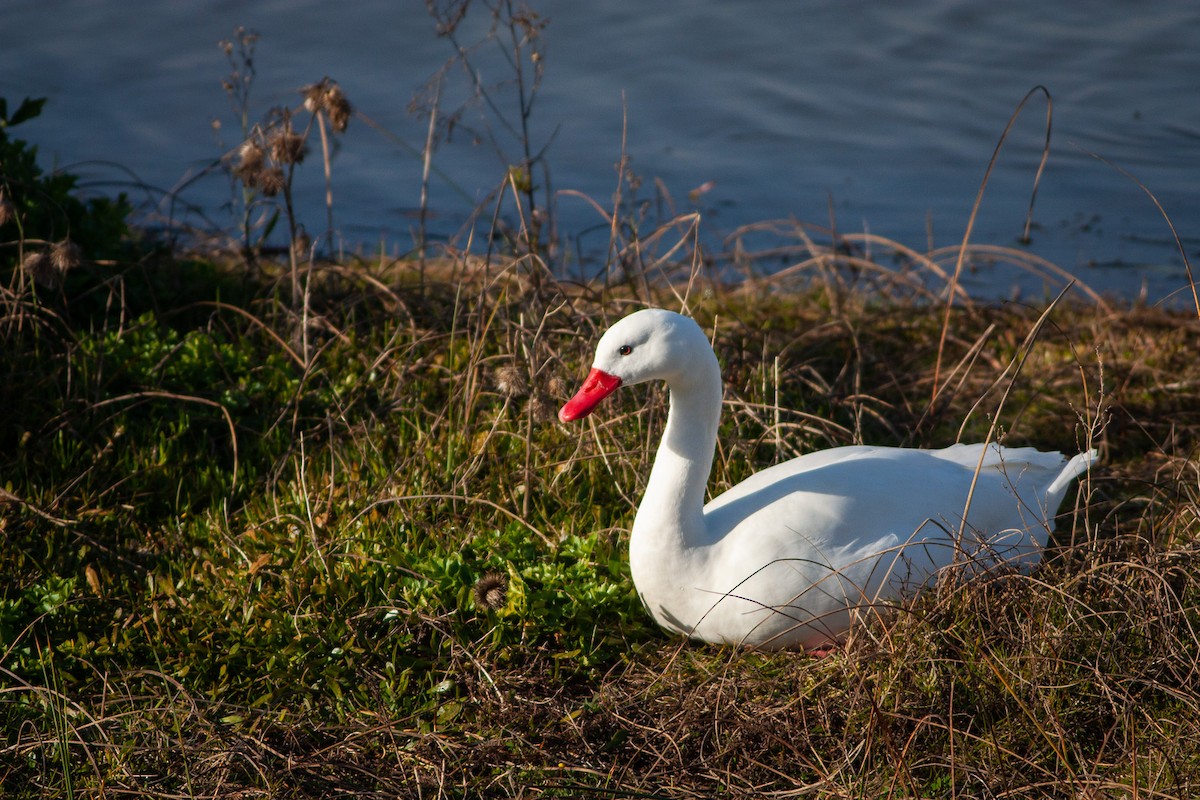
<point x="310" y="530"/>
<point x="230" y="571"/>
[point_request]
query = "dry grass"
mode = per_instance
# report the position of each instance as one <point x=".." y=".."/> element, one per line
<point x="1076" y="681"/>
<point x="308" y="529"/>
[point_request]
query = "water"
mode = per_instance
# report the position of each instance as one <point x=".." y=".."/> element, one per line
<point x="880" y="115"/>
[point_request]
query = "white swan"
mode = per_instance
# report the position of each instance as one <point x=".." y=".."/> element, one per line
<point x="788" y="557"/>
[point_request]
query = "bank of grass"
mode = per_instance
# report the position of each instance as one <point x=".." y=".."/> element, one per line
<point x="364" y="559"/>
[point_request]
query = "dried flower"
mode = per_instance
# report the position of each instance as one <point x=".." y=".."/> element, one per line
<point x="40" y="268"/>
<point x="250" y="158"/>
<point x="66" y="256"/>
<point x="314" y="97"/>
<point x="327" y="98"/>
<point x="510" y="381"/>
<point x="540" y="409"/>
<point x="491" y="590"/>
<point x="8" y="211"/>
<point x="288" y="147"/>
<point x="338" y="107"/>
<point x="269" y="181"/>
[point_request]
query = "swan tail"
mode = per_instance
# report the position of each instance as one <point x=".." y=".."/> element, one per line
<point x="1072" y="470"/>
<point x="1014" y="460"/>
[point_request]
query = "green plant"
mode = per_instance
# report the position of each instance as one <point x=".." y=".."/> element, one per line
<point x="39" y="211"/>
<point x="235" y="563"/>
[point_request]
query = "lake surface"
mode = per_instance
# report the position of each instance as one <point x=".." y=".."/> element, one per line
<point x="881" y="116"/>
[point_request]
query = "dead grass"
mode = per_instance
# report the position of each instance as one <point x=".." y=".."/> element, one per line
<point x="299" y="621"/>
<point x="1076" y="681"/>
<point x="248" y="506"/>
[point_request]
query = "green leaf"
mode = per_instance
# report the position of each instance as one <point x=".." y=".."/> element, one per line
<point x="447" y="712"/>
<point x="30" y="107"/>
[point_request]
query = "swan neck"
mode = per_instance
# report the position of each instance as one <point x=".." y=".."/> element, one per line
<point x="674" y="501"/>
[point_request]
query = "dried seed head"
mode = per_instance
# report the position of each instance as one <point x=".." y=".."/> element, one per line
<point x="556" y="387"/>
<point x="66" y="256"/>
<point x="40" y="268"/>
<point x="250" y="179"/>
<point x="540" y="409"/>
<point x="510" y="381"/>
<point x="338" y="107"/>
<point x="288" y="147"/>
<point x="250" y="157"/>
<point x="269" y="181"/>
<point x="327" y="98"/>
<point x="8" y="211"/>
<point x="314" y="97"/>
<point x="491" y="590"/>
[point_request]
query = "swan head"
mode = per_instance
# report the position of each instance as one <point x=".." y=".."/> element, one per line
<point x="653" y="344"/>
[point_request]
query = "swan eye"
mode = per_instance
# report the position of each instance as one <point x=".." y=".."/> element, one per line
<point x="624" y="349"/>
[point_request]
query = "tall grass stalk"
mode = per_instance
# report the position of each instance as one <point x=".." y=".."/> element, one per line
<point x="56" y="702"/>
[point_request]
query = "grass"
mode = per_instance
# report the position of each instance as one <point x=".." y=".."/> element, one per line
<point x="232" y="571"/>
<point x="280" y="523"/>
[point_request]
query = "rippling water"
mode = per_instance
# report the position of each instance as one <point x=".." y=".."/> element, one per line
<point x="883" y="115"/>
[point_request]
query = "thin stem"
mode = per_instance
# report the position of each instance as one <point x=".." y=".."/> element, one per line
<point x="422" y="233"/>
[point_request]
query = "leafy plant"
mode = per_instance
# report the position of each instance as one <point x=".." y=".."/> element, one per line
<point x="36" y="207"/>
<point x="238" y="557"/>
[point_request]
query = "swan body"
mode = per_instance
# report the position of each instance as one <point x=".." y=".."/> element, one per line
<point x="789" y="557"/>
